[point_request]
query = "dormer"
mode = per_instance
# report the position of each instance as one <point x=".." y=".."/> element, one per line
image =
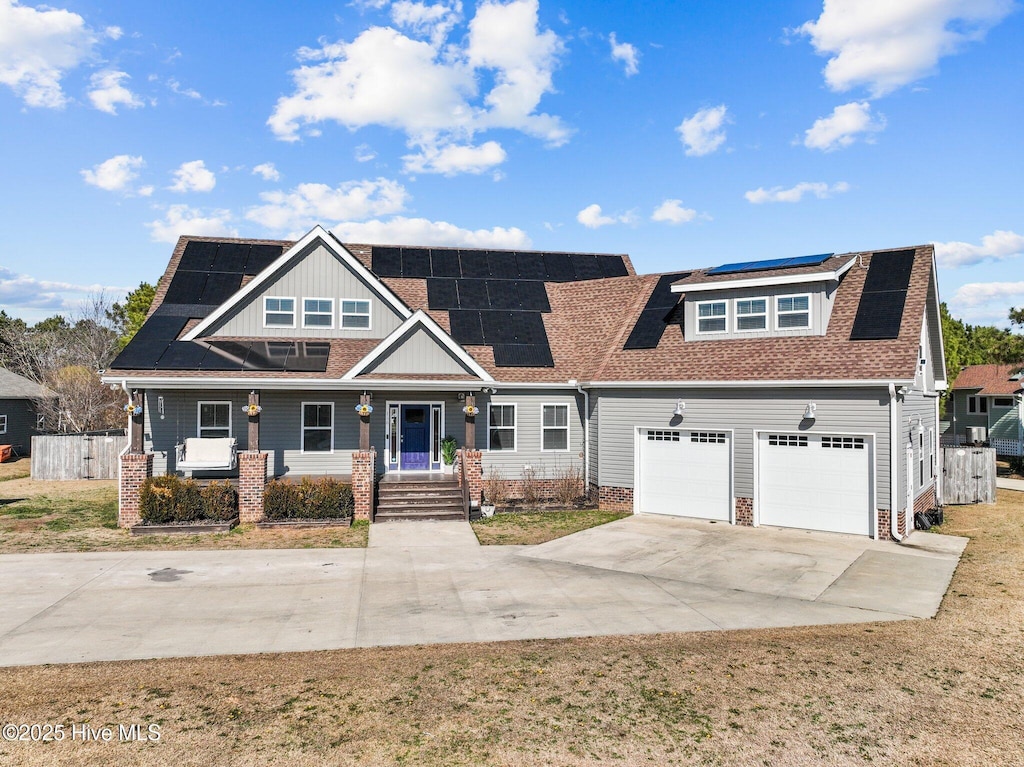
<point x="752" y="299"/>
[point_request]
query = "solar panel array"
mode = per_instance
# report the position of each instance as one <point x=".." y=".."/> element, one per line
<point x="495" y="297"/>
<point x="651" y="324"/>
<point x="770" y="264"/>
<point x="880" y="312"/>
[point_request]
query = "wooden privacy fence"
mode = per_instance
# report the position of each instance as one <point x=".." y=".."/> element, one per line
<point x="968" y="475"/>
<point x="77" y="456"/>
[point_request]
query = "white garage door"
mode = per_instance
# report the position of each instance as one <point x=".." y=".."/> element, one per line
<point x="685" y="473"/>
<point x="816" y="482"/>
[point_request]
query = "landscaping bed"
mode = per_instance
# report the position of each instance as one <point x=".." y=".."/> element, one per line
<point x="299" y="524"/>
<point x="185" y="528"/>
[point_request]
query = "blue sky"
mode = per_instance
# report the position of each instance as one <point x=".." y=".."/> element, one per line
<point x="683" y="133"/>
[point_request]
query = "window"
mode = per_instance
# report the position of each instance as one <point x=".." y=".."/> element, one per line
<point x="317" y="427"/>
<point x="501" y="427"/>
<point x="214" y="419"/>
<point x="657" y="435"/>
<point x="787" y="440"/>
<point x="708" y="437"/>
<point x="920" y="460"/>
<point x="1002" y="402"/>
<point x="3" y="424"/>
<point x="931" y="452"/>
<point x="278" y="312"/>
<point x="711" y="317"/>
<point x="751" y="314"/>
<point x="355" y="315"/>
<point x="843" y="443"/>
<point x="977" y="404"/>
<point x="792" y="312"/>
<point x="317" y="312"/>
<point x="554" y="427"/>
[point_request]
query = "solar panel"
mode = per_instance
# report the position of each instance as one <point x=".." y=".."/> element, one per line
<point x="442" y="294"/>
<point x="150" y="343"/>
<point x="773" y="263"/>
<point x="415" y="262"/>
<point x="523" y="355"/>
<point x="533" y="296"/>
<point x="586" y="267"/>
<point x="502" y="265"/>
<point x="386" y="262"/>
<point x="220" y="286"/>
<point x="231" y="257"/>
<point x="558" y="267"/>
<point x="198" y="256"/>
<point x="261" y="256"/>
<point x="184" y="310"/>
<point x="181" y="355"/>
<point x="531" y="266"/>
<point x="528" y="328"/>
<point x="880" y="312"/>
<point x="164" y="327"/>
<point x="502" y="294"/>
<point x="186" y="288"/>
<point x="889" y="271"/>
<point x="612" y="266"/>
<point x="651" y="324"/>
<point x="445" y="263"/>
<point x="466" y="327"/>
<point x="474" y="263"/>
<point x="473" y="294"/>
<point x="308" y="357"/>
<point x="498" y="327"/>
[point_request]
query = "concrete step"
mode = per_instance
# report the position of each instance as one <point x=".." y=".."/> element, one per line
<point x="443" y="495"/>
<point x="418" y="508"/>
<point x="388" y="487"/>
<point x="414" y="516"/>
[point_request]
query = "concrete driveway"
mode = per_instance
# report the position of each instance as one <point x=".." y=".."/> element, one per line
<point x="430" y="582"/>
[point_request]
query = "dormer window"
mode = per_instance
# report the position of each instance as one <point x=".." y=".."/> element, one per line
<point x="355" y="314"/>
<point x="751" y="314"/>
<point x="317" y="312"/>
<point x="278" y="312"/>
<point x="711" y="317"/>
<point x="793" y="312"/>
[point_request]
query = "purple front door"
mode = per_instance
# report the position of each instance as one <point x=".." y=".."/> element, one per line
<point x="415" y="437"/>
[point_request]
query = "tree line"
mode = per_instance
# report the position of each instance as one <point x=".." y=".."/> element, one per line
<point x="981" y="344"/>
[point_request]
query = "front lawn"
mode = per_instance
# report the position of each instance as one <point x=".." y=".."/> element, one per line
<point x="531" y="527"/>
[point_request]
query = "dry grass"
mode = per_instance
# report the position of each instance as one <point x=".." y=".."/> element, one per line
<point x="527" y="528"/>
<point x="948" y="691"/>
<point x="15" y="469"/>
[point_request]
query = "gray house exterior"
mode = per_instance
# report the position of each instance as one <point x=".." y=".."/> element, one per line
<point x="19" y="418"/>
<point x="990" y="397"/>
<point x="799" y="394"/>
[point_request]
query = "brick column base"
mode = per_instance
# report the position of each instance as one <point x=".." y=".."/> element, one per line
<point x="136" y="468"/>
<point x="363" y="482"/>
<point x="615" y="498"/>
<point x="473" y="460"/>
<point x="252" y="481"/>
<point x="745" y="511"/>
<point x="884" y="533"/>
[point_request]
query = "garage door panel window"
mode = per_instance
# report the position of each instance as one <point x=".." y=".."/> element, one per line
<point x="501" y="427"/>
<point x="663" y="436"/>
<point x="554" y="427"/>
<point x="712" y="437"/>
<point x="843" y="443"/>
<point x="787" y="440"/>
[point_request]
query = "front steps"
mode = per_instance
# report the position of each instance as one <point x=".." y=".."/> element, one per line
<point x="418" y="499"/>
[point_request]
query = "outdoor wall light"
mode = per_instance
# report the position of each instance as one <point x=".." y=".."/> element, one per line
<point x="680" y="408"/>
<point x="810" y="412"/>
<point x="160" y="406"/>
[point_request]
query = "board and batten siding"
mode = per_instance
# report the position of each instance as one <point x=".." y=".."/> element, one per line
<point x="418" y="352"/>
<point x="743" y="411"/>
<point x="315" y="274"/>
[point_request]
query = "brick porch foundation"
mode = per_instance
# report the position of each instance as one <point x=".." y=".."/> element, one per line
<point x="615" y="498"/>
<point x="252" y="481"/>
<point x="474" y="463"/>
<point x="363" y="482"/>
<point x="136" y="468"/>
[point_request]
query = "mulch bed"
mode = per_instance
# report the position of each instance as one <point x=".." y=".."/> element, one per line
<point x="271" y="524"/>
<point x="186" y="528"/>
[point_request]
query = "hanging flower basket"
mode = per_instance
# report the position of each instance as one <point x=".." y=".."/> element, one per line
<point x="131" y="409"/>
<point x="364" y="409"/>
<point x="252" y="410"/>
<point x="471" y="410"/>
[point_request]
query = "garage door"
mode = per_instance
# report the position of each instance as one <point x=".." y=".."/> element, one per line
<point x="685" y="473"/>
<point x="815" y="482"/>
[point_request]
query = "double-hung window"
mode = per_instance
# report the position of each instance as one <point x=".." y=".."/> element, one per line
<point x="977" y="404"/>
<point x="214" y="419"/>
<point x="554" y="427"/>
<point x="792" y="312"/>
<point x="317" y="312"/>
<point x="501" y="427"/>
<point x="317" y="427"/>
<point x="3" y="424"/>
<point x="711" y="317"/>
<point x="751" y="314"/>
<point x="278" y="312"/>
<point x="355" y="314"/>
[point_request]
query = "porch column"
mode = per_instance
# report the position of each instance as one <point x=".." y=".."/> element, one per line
<point x="136" y="468"/>
<point x="472" y="461"/>
<point x="252" y="482"/>
<point x="363" y="482"/>
<point x="136" y="422"/>
<point x="254" y="422"/>
<point x="364" y="424"/>
<point x="470" y="442"/>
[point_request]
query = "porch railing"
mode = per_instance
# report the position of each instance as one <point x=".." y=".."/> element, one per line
<point x="1007" y="447"/>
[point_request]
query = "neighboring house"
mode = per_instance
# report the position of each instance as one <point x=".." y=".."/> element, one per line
<point x="795" y="392"/>
<point x="990" y="396"/>
<point x="19" y="418"/>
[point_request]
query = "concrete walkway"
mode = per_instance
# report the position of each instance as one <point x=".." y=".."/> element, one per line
<point x="429" y="582"/>
<point x="1010" y="484"/>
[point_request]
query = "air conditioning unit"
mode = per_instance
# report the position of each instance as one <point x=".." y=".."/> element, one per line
<point x="976" y="435"/>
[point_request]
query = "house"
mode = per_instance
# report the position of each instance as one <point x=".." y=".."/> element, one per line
<point x="992" y="397"/>
<point x="795" y="392"/>
<point x="19" y="417"/>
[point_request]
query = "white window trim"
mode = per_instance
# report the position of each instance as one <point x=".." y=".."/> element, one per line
<point x="737" y="315"/>
<point x="303" y="427"/>
<point x="329" y="313"/>
<point x="543" y="428"/>
<point x="199" y="416"/>
<point x="368" y="315"/>
<point x="3" y="424"/>
<point x="295" y="306"/>
<point x="779" y="313"/>
<point x="515" y="426"/>
<point x="696" y="310"/>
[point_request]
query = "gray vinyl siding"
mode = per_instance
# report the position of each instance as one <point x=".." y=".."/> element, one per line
<point x="595" y="433"/>
<point x="1005" y="422"/>
<point x="21" y="424"/>
<point x="418" y="352"/>
<point x="960" y="419"/>
<point x="528" y="433"/>
<point x="743" y="411"/>
<point x="820" y="307"/>
<point x="317" y="274"/>
<point x="915" y="406"/>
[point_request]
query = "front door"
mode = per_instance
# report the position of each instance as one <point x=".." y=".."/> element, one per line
<point x="415" y="437"/>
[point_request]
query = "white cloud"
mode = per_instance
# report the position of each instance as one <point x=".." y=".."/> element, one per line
<point x="884" y="45"/>
<point x="107" y="91"/>
<point x="193" y="176"/>
<point x="626" y="53"/>
<point x="432" y="21"/>
<point x="364" y="153"/>
<point x="176" y="87"/>
<point x="267" y="172"/>
<point x="842" y="127"/>
<point x="182" y="219"/>
<point x="403" y="231"/>
<point x="38" y="47"/>
<point x="673" y="212"/>
<point x="592" y="217"/>
<point x="819" y="189"/>
<point x="25" y="292"/>
<point x="453" y="159"/>
<point x="114" y="33"/>
<point x="998" y="246"/>
<point x="308" y="204"/>
<point x="987" y="303"/>
<point x="704" y="132"/>
<point x="115" y="174"/>
<point x="429" y="89"/>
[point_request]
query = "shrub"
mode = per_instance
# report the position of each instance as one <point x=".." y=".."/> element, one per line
<point x="156" y="499"/>
<point x="448" y="447"/>
<point x="281" y="499"/>
<point x="220" y="501"/>
<point x="531" y="486"/>
<point x="188" y="501"/>
<point x="325" y="498"/>
<point x="495" y="487"/>
<point x="568" y="484"/>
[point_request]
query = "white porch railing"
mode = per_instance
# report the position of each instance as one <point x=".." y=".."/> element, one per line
<point x="1010" y="447"/>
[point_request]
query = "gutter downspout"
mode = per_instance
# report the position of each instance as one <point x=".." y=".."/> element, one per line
<point x="586" y="436"/>
<point x="894" y="473"/>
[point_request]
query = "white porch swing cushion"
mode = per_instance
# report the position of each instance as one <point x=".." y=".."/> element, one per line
<point x="208" y="453"/>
